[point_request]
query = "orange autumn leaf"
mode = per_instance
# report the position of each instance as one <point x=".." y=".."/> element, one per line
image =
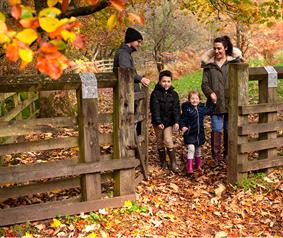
<point x="93" y="2"/>
<point x="29" y="23"/>
<point x="48" y="48"/>
<point x="136" y="18"/>
<point x="12" y="52"/>
<point x="14" y="2"/>
<point x="16" y="11"/>
<point x="118" y="4"/>
<point x="49" y="67"/>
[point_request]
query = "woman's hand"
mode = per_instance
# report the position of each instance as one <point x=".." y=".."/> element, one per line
<point x="185" y="129"/>
<point x="213" y="97"/>
<point x="176" y="127"/>
<point x="161" y="126"/>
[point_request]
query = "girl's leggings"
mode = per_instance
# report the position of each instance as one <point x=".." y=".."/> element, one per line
<point x="193" y="151"/>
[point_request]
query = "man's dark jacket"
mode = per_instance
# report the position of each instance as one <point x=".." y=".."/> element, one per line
<point x="164" y="106"/>
<point x="123" y="59"/>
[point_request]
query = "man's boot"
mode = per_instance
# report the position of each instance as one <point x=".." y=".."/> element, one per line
<point x="225" y="154"/>
<point x="172" y="156"/>
<point x="189" y="166"/>
<point x="162" y="158"/>
<point x="216" y="139"/>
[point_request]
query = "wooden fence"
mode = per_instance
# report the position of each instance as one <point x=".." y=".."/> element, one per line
<point x="91" y="168"/>
<point x="253" y="146"/>
<point x="19" y="102"/>
<point x="105" y="65"/>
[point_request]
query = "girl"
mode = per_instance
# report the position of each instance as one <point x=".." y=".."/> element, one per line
<point x="191" y="123"/>
<point x="215" y="84"/>
<point x="165" y="114"/>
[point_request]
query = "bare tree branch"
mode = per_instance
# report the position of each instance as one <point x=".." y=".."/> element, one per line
<point x="84" y="11"/>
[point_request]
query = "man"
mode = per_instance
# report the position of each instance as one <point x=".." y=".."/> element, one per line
<point x="123" y="56"/>
<point x="123" y="59"/>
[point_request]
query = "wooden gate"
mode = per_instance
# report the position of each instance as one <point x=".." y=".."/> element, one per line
<point x="90" y="169"/>
<point x="253" y="146"/>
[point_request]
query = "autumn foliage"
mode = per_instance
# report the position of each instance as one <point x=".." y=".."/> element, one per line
<point x="44" y="35"/>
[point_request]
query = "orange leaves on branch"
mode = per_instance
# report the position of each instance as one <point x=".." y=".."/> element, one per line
<point x="136" y="18"/>
<point x="50" y="61"/>
<point x="16" y="11"/>
<point x="118" y="4"/>
<point x="12" y="52"/>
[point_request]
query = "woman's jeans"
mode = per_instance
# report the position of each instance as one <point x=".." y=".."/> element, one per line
<point x="219" y="122"/>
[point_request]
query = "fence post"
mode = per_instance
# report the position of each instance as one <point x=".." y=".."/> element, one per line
<point x="238" y="96"/>
<point x="123" y="130"/>
<point x="144" y="129"/>
<point x="89" y="144"/>
<point x="267" y="95"/>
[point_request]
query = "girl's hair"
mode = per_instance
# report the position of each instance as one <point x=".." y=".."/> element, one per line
<point x="194" y="92"/>
<point x="165" y="73"/>
<point x="225" y="40"/>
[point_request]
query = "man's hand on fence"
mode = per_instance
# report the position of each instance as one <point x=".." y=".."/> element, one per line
<point x="145" y="81"/>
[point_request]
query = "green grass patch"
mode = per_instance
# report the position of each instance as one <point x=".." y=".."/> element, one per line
<point x="253" y="181"/>
<point x="188" y="83"/>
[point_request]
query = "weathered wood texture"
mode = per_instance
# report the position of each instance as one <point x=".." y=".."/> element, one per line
<point x="238" y="90"/>
<point x="52" y="209"/>
<point x="123" y="126"/>
<point x="90" y="168"/>
<point x="89" y="145"/>
<point x="32" y="83"/>
<point x="268" y="142"/>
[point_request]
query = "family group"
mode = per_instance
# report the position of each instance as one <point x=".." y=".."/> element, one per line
<point x="168" y="115"/>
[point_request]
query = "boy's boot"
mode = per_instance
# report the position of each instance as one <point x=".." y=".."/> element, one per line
<point x="198" y="163"/>
<point x="216" y="141"/>
<point x="189" y="166"/>
<point x="162" y="158"/>
<point x="225" y="154"/>
<point x="172" y="156"/>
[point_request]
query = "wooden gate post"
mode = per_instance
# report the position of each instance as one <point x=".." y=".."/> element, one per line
<point x="88" y="139"/>
<point x="123" y="130"/>
<point x="267" y="95"/>
<point x="238" y="96"/>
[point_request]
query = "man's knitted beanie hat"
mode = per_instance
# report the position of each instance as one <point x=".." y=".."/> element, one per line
<point x="132" y="35"/>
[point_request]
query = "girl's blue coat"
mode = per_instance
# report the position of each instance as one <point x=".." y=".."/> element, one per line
<point x="193" y="118"/>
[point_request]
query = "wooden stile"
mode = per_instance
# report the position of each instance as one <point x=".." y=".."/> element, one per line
<point x="90" y="169"/>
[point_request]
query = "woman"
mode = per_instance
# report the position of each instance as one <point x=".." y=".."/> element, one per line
<point x="215" y="86"/>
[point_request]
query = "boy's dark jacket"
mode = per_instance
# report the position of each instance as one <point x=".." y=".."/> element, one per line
<point x="164" y="106"/>
<point x="193" y="117"/>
